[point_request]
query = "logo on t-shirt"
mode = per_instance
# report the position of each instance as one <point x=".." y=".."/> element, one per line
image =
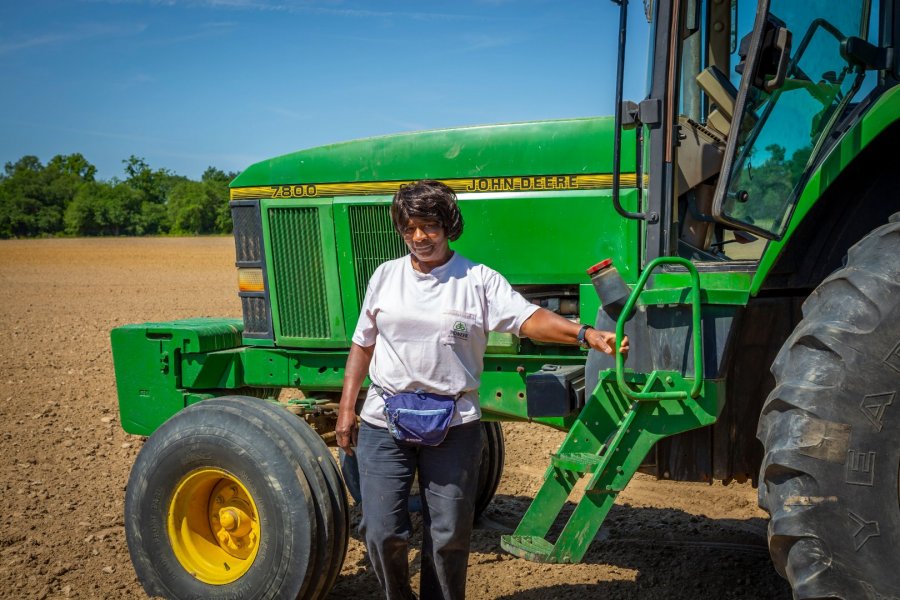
<point x="460" y="331"/>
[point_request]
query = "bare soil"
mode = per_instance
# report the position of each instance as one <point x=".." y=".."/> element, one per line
<point x="64" y="459"/>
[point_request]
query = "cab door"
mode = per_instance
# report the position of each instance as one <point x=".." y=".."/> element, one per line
<point x="795" y="85"/>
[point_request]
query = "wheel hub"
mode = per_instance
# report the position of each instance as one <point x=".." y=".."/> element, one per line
<point x="231" y="520"/>
<point x="213" y="526"/>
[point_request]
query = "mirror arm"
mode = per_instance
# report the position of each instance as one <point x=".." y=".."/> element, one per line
<point x="651" y="217"/>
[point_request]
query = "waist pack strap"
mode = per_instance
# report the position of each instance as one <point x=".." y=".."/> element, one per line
<point x="384" y="395"/>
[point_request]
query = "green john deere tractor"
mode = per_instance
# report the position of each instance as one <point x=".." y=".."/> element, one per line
<point x="742" y="219"/>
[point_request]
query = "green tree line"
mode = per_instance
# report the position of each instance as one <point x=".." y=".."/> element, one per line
<point x="64" y="197"/>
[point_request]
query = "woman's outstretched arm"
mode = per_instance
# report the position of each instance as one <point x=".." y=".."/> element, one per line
<point x="547" y="326"/>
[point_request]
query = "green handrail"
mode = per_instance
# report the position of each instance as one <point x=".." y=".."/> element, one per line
<point x="695" y="314"/>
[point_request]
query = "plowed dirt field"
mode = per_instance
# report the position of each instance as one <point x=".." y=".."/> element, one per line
<point x="64" y="459"/>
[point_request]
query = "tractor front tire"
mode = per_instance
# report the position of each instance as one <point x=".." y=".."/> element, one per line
<point x="217" y="506"/>
<point x="831" y="432"/>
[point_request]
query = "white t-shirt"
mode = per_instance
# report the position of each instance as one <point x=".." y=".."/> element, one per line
<point x="430" y="330"/>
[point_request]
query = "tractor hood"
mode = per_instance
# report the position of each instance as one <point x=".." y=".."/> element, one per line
<point x="569" y="146"/>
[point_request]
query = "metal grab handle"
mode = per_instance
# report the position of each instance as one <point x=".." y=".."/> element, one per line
<point x="617" y="127"/>
<point x="695" y="317"/>
<point x="782" y="43"/>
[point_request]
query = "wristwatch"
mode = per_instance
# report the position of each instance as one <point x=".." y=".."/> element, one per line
<point x="580" y="337"/>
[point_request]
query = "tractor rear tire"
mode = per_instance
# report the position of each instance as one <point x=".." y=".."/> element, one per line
<point x="493" y="455"/>
<point x="216" y="506"/>
<point x="831" y="432"/>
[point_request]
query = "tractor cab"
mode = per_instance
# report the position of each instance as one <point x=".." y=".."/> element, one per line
<point x="745" y="101"/>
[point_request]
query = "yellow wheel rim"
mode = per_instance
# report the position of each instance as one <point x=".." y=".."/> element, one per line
<point x="213" y="526"/>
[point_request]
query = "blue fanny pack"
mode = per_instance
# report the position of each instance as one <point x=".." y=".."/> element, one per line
<point x="419" y="418"/>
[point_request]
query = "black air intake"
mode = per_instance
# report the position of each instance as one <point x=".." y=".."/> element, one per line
<point x="248" y="250"/>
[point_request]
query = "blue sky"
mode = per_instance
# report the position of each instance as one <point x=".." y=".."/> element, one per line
<point x="191" y="83"/>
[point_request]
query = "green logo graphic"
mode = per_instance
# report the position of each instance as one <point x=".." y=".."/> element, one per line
<point x="460" y="330"/>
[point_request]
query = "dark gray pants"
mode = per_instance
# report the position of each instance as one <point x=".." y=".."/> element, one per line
<point x="448" y="477"/>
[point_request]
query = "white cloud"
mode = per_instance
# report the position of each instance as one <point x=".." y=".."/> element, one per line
<point x="74" y="34"/>
<point x="474" y="42"/>
<point x="206" y="30"/>
<point x="324" y="7"/>
<point x="135" y="80"/>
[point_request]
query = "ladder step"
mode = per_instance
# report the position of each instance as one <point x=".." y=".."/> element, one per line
<point x="580" y="462"/>
<point x="604" y="491"/>
<point x="529" y="547"/>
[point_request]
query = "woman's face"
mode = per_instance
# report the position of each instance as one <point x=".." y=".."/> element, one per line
<point x="427" y="241"/>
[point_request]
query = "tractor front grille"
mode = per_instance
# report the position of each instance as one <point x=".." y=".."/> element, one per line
<point x="299" y="272"/>
<point x="374" y="240"/>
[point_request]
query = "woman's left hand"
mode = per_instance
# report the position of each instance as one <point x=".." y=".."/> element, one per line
<point x="605" y="341"/>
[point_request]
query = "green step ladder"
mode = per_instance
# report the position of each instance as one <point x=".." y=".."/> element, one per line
<point x="621" y="421"/>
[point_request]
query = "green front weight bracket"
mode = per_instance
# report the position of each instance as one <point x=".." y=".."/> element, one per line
<point x="624" y="417"/>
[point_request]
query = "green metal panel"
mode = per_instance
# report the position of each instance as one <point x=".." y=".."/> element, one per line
<point x="882" y="114"/>
<point x="162" y="367"/>
<point x="303" y="274"/>
<point x="502" y="391"/>
<point x="548" y="237"/>
<point x="502" y="343"/>
<point x="148" y="363"/>
<point x="716" y="287"/>
<point x="259" y="342"/>
<point x="569" y="146"/>
<point x="212" y="370"/>
<point x="502" y="387"/>
<point x="589" y="303"/>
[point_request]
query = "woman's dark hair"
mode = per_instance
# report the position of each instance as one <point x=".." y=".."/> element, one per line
<point x="427" y="199"/>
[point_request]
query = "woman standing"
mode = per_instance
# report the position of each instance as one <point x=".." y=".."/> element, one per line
<point x="423" y="328"/>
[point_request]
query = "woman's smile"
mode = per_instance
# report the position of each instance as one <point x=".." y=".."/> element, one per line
<point x="423" y="249"/>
